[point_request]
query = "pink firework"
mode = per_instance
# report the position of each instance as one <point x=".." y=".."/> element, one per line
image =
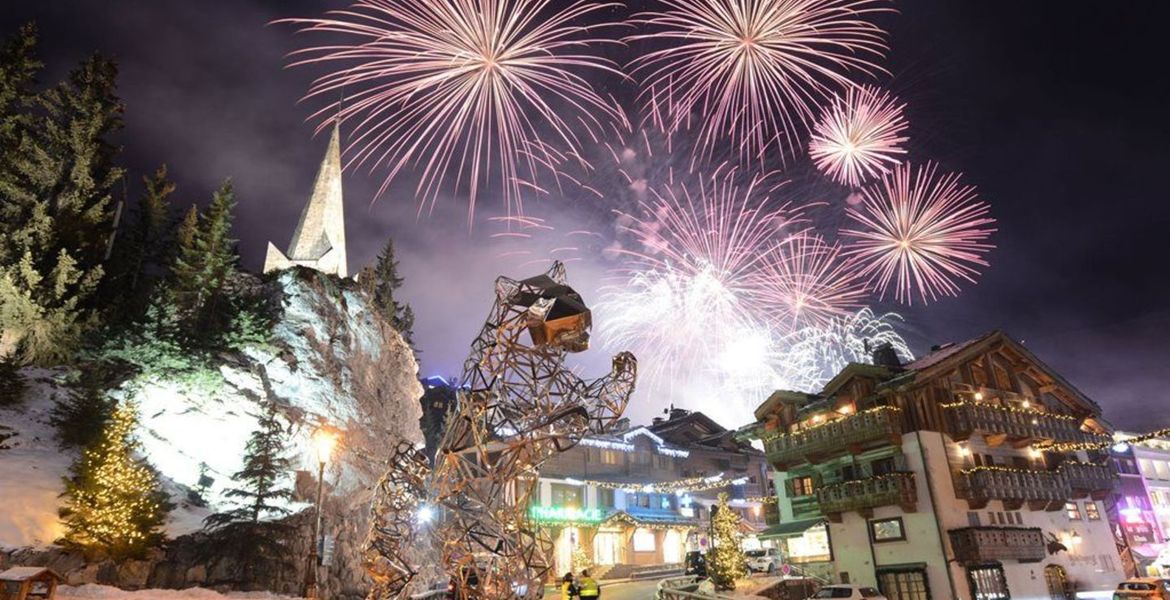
<point x="806" y="283"/>
<point x="860" y="136"/>
<point x="467" y="91"/>
<point x="753" y="72"/>
<point x="920" y="230"/>
<point x="719" y="226"/>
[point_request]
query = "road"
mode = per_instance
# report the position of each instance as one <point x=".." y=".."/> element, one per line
<point x="634" y="590"/>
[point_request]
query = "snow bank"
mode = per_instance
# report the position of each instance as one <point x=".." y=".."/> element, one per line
<point x="31" y="470"/>
<point x="104" y="592"/>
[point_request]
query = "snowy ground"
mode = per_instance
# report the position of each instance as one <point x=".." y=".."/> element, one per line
<point x="33" y="468"/>
<point x="105" y="592"/>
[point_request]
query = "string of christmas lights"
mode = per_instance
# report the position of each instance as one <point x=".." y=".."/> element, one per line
<point x="680" y="486"/>
<point x="775" y="435"/>
<point x="1109" y="443"/>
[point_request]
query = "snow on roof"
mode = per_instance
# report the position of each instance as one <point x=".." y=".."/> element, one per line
<point x="943" y="353"/>
<point x="23" y="573"/>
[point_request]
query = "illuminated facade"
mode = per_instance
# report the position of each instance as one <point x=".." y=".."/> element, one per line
<point x="1142" y="515"/>
<point x="937" y="479"/>
<point x="640" y="500"/>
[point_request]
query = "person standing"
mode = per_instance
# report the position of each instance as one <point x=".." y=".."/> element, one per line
<point x="568" y="588"/>
<point x="587" y="587"/>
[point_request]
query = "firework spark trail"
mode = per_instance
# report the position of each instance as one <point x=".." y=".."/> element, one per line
<point x="469" y="90"/>
<point x="859" y="136"/>
<point x="813" y="355"/>
<point x="920" y="230"/>
<point x="806" y="282"/>
<point x="753" y="72"/>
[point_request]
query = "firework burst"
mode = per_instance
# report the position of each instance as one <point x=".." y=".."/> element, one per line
<point x="686" y="291"/>
<point x="805" y="282"/>
<point x="753" y="72"/>
<point x="859" y="136"/>
<point x="921" y="231"/>
<point x="467" y="91"/>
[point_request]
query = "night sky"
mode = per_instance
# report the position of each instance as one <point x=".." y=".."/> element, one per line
<point x="1056" y="110"/>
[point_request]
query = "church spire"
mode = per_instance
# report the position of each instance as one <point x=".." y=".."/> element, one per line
<point x="318" y="242"/>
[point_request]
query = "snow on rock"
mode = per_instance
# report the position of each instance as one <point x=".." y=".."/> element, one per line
<point x="332" y="361"/>
<point x="104" y="592"/>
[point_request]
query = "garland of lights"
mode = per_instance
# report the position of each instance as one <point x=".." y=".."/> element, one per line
<point x="1011" y="409"/>
<point x="999" y="469"/>
<point x="1090" y="446"/>
<point x="681" y="486"/>
<point x="779" y="434"/>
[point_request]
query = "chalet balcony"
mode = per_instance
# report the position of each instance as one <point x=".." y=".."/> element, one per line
<point x="1015" y="426"/>
<point x="1084" y="479"/>
<point x="842" y="436"/>
<point x="1041" y="490"/>
<point x="984" y="544"/>
<point x="864" y="495"/>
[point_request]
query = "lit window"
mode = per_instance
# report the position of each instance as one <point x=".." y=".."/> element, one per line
<point x="1073" y="511"/>
<point x="1091" y="512"/>
<point x="802" y="486"/>
<point x="643" y="540"/>
<point x="887" y="530"/>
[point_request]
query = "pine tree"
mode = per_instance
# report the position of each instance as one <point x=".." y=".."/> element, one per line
<point x="114" y="506"/>
<point x="81" y="416"/>
<point x="141" y="252"/>
<point x="57" y="173"/>
<point x="18" y="72"/>
<point x="726" y="561"/>
<point x="207" y="258"/>
<point x="247" y="533"/>
<point x="383" y="281"/>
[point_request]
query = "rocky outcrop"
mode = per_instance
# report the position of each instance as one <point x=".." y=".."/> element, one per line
<point x="331" y="360"/>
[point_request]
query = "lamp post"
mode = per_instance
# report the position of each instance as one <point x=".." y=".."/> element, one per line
<point x="323" y="442"/>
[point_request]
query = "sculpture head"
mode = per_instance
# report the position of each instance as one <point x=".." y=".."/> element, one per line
<point x="554" y="313"/>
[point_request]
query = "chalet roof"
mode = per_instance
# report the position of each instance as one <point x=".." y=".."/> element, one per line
<point x="957" y="352"/>
<point x="26" y="573"/>
<point x="852" y="370"/>
<point x="697" y="429"/>
<point x="783" y="397"/>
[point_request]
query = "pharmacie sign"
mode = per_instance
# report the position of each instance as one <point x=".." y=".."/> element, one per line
<point x="565" y="514"/>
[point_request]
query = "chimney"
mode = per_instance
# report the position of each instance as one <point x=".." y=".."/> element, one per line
<point x="656" y="421"/>
<point x="885" y="356"/>
<point x="676" y="413"/>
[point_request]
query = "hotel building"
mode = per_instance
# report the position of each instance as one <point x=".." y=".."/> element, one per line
<point x="939" y="478"/>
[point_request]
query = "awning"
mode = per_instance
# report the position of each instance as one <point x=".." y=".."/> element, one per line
<point x="790" y="528"/>
<point x="1147" y="551"/>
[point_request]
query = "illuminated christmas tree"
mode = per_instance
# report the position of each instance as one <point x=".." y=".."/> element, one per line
<point x="581" y="559"/>
<point x="726" y="561"/>
<point x="114" y="505"/>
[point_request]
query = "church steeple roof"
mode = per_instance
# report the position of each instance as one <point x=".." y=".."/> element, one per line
<point x="318" y="241"/>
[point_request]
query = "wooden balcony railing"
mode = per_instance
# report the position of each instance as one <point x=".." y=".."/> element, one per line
<point x="983" y="544"/>
<point x="864" y="495"/>
<point x="1017" y="426"/>
<point x="841" y="436"/>
<point x="1042" y="490"/>
<point x="1085" y="479"/>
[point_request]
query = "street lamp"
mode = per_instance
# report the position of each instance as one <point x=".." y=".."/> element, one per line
<point x="323" y="442"/>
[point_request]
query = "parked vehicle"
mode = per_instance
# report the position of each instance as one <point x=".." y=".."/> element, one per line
<point x="764" y="560"/>
<point x="849" y="592"/>
<point x="1143" y="587"/>
<point x="695" y="564"/>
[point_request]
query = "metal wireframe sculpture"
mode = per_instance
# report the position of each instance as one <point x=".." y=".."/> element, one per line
<point x="518" y="405"/>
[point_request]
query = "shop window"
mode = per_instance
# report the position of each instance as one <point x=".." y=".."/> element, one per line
<point x="644" y="540"/>
<point x="1091" y="512"/>
<point x="664" y="502"/>
<point x="887" y="530"/>
<point x="1073" y="511"/>
<point x="605" y="498"/>
<point x="988" y="583"/>
<point x="903" y="584"/>
<point x="644" y="500"/>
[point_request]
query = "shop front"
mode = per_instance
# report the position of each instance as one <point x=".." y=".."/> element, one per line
<point x="586" y="538"/>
